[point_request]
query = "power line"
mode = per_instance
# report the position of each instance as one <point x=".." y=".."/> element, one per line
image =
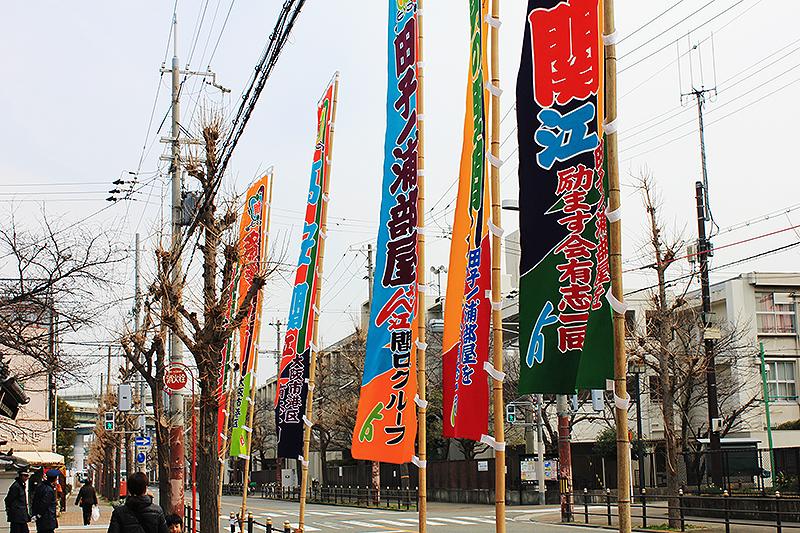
<point x="684" y="19"/>
<point x="643" y="26"/>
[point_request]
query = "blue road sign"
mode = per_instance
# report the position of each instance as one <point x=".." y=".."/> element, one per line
<point x="141" y="458"/>
<point x="142" y="442"/>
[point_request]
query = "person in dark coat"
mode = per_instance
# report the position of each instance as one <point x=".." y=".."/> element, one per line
<point x="138" y="514"/>
<point x="44" y="503"/>
<point x="87" y="497"/>
<point x="17" y="503"/>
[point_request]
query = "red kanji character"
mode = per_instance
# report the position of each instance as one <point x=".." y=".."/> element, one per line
<point x="566" y="52"/>
<point x="405" y="46"/>
<point x="576" y="222"/>
<point x="575" y="246"/>
<point x="571" y="337"/>
<point x="403" y="215"/>
<point x="575" y="271"/>
<point x="402" y="297"/>
<point x="574" y="179"/>
<point x="406" y="172"/>
<point x="407" y="85"/>
<point x="575" y="296"/>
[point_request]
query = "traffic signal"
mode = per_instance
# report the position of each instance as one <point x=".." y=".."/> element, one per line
<point x="109" y="425"/>
<point x="511" y="413"/>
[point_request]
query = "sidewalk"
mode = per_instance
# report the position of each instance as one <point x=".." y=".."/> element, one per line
<point x="72" y="518"/>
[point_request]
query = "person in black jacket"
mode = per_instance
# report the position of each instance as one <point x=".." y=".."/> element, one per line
<point x="138" y="514"/>
<point x="44" y="503"/>
<point x="17" y="503"/>
<point x="87" y="497"/>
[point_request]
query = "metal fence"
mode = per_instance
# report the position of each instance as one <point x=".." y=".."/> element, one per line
<point x="767" y="511"/>
<point x="401" y="499"/>
<point x="247" y="525"/>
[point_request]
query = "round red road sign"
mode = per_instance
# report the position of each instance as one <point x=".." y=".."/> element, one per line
<point x="176" y="378"/>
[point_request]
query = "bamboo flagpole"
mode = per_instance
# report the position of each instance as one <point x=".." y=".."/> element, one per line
<point x="223" y="452"/>
<point x="422" y="404"/>
<point x="615" y="261"/>
<point x="497" y="315"/>
<point x="252" y="398"/>
<point x="312" y="371"/>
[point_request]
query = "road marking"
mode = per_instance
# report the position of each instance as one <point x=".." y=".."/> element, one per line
<point x="322" y="513"/>
<point x="461" y="521"/>
<point x="361" y="524"/>
<point x="390" y="522"/>
<point x="481" y="519"/>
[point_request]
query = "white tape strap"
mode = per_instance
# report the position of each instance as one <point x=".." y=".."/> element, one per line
<point x="248" y="399"/>
<point x="616" y="305"/>
<point x="488" y="294"/>
<point x="497" y="306"/>
<point x="497" y="231"/>
<point x="307" y="422"/>
<point x="610" y="384"/>
<point x="421" y="172"/>
<point x="419" y="462"/>
<point x="247" y="429"/>
<point x="492" y="371"/>
<point x="422" y="404"/>
<point x="614" y="215"/>
<point x="223" y="436"/>
<point x="302" y="461"/>
<point x="493" y="22"/>
<point x="244" y="456"/>
<point x="311" y="386"/>
<point x="420" y="64"/>
<point x="611" y="127"/>
<point x="622" y="403"/>
<point x="612" y="38"/>
<point x="421" y="230"/>
<point x="494" y="161"/>
<point x="314" y="347"/>
<point x="326" y="197"/>
<point x="323" y="235"/>
<point x="498" y="446"/>
<point x="421" y="345"/>
<point x="421" y="117"/>
<point x="421" y="287"/>
<point x="316" y="310"/>
<point x="495" y="90"/>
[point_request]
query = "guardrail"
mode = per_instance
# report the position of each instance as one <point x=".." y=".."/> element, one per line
<point x="401" y="499"/>
<point x="755" y="511"/>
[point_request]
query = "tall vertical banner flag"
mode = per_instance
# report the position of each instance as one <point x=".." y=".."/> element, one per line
<point x="566" y="337"/>
<point x="225" y="371"/>
<point x="386" y="423"/>
<point x="465" y="344"/>
<point x="252" y="254"/>
<point x="292" y="392"/>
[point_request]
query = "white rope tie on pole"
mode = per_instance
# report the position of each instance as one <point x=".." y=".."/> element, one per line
<point x="489" y="440"/>
<point x="614" y="215"/>
<point x="492" y="371"/>
<point x="616" y="305"/>
<point x="422" y="465"/>
<point x="422" y="404"/>
<point x="611" y="127"/>
<point x="493" y="22"/>
<point x="494" y="89"/>
<point x="494" y="161"/>
<point x="307" y="422"/>
<point x="421" y="345"/>
<point x="611" y="38"/>
<point x="497" y="231"/>
<point x="497" y="306"/>
<point x="302" y="460"/>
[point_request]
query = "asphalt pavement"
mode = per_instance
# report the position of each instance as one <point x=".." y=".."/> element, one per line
<point x="460" y="518"/>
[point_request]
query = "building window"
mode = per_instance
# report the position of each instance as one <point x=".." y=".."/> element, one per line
<point x="775" y="312"/>
<point x="630" y="323"/>
<point x="781" y="380"/>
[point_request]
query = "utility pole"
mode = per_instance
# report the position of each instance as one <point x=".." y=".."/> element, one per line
<point x="278" y="353"/>
<point x="137" y="310"/>
<point x="540" y="450"/>
<point x="703" y="250"/>
<point x="564" y="457"/>
<point x="376" y="465"/>
<point x="177" y="415"/>
<point x="370" y="274"/>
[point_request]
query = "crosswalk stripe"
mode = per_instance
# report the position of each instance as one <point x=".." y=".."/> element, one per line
<point x="322" y="513"/>
<point x="481" y="519"/>
<point x="390" y="522"/>
<point x="360" y="524"/>
<point x="460" y="522"/>
<point x="430" y="522"/>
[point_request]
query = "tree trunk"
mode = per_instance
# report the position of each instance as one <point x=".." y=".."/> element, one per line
<point x="207" y="456"/>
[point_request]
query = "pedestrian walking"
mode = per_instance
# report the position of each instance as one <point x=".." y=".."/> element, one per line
<point x="232" y="521"/>
<point x="17" y="503"/>
<point x="138" y="514"/>
<point x="44" y="503"/>
<point x="87" y="498"/>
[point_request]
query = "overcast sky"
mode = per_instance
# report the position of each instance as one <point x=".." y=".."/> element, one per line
<point x="84" y="99"/>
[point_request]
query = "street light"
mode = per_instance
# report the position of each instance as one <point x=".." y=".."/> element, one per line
<point x="438" y="271"/>
<point x="636" y="367"/>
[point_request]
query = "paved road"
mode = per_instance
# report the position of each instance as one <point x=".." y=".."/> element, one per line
<point x="441" y="517"/>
